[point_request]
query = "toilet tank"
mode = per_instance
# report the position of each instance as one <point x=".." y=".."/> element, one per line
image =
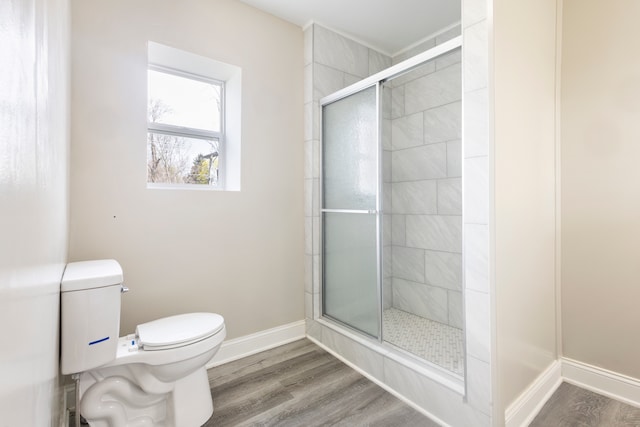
<point x="89" y="314"/>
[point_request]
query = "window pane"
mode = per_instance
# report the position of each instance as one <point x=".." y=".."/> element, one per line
<point x="180" y="101"/>
<point x="180" y="160"/>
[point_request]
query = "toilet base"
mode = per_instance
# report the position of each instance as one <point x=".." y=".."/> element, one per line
<point x="191" y="403"/>
<point x="109" y="398"/>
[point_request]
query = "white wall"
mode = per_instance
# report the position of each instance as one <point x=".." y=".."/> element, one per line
<point x="33" y="205"/>
<point x="239" y="254"/>
<point x="524" y="192"/>
<point x="600" y="191"/>
<point x="478" y="304"/>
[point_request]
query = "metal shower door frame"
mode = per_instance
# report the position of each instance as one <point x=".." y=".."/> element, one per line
<point x="376" y="80"/>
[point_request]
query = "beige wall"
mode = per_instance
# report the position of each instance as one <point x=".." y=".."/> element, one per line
<point x="600" y="184"/>
<point x="239" y="254"/>
<point x="34" y="225"/>
<point x="524" y="192"/>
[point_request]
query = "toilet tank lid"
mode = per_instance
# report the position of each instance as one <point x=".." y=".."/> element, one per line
<point x="91" y="274"/>
<point x="176" y="330"/>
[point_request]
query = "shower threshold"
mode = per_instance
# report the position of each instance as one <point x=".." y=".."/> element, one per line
<point x="435" y="342"/>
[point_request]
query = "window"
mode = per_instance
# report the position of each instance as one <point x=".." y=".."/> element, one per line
<point x="192" y="125"/>
<point x="185" y="136"/>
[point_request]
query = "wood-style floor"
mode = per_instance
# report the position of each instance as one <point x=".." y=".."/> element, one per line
<point x="573" y="406"/>
<point x="299" y="384"/>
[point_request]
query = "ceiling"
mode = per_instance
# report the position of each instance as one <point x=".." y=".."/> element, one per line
<point x="387" y="25"/>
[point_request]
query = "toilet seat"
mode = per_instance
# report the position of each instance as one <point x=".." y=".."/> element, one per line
<point x="178" y="331"/>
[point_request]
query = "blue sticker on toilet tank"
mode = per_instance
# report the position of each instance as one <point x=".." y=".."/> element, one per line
<point x="98" y="341"/>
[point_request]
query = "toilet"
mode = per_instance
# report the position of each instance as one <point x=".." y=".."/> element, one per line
<point x="155" y="377"/>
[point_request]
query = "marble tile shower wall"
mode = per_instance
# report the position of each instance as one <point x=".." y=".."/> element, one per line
<point x="422" y="154"/>
<point x="476" y="171"/>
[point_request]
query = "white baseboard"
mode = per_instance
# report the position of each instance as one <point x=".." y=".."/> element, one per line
<point x="247" y="345"/>
<point x="611" y="384"/>
<point x="524" y="409"/>
<point x="602" y="381"/>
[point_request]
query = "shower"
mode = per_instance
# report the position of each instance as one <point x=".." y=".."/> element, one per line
<point x="391" y="208"/>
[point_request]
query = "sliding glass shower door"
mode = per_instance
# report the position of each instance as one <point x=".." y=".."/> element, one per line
<point x="350" y="211"/>
<point x="391" y="208"/>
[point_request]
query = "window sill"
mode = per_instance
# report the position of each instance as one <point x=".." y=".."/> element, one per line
<point x="196" y="187"/>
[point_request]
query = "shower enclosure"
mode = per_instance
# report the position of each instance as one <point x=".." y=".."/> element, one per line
<point x="391" y="208"/>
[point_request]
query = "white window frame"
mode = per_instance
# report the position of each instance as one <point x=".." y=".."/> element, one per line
<point x="189" y="132"/>
<point x="185" y="64"/>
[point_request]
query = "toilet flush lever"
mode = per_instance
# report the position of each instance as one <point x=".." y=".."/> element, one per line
<point x="124" y="289"/>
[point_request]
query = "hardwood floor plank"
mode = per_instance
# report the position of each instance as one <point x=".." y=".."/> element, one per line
<point x="317" y="409"/>
<point x="317" y="376"/>
<point x="331" y="407"/>
<point x="383" y="409"/>
<point x="586" y="408"/>
<point x="231" y="389"/>
<point x="627" y="416"/>
<point x="234" y="415"/>
<point x="573" y="406"/>
<point x="311" y="395"/>
<point x="402" y="417"/>
<point x="300" y="384"/>
<point x="259" y="361"/>
<point x="554" y="407"/>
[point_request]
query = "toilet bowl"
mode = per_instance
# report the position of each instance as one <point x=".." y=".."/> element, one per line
<point x="155" y="377"/>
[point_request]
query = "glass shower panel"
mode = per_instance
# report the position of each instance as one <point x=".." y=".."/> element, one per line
<point x="349" y="212"/>
<point x="350" y="279"/>
<point x="350" y="152"/>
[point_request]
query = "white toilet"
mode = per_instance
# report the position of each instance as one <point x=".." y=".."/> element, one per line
<point x="155" y="377"/>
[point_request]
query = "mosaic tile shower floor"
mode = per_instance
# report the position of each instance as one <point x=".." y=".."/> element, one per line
<point x="436" y="342"/>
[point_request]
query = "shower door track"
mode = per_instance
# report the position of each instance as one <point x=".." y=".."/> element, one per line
<point x="395" y="70"/>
